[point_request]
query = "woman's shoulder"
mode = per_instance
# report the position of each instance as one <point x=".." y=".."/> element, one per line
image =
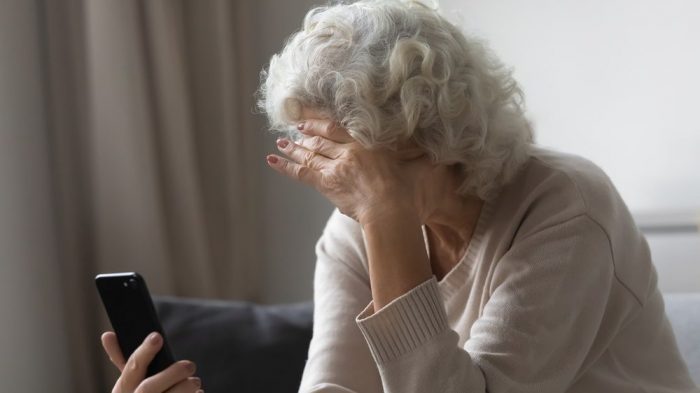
<point x="562" y="186"/>
<point x="341" y="226"/>
<point x="555" y="188"/>
<point x="589" y="183"/>
<point x="342" y="241"/>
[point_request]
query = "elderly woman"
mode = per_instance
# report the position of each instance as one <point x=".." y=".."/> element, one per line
<point x="461" y="257"/>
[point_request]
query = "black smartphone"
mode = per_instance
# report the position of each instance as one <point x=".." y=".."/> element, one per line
<point x="130" y="310"/>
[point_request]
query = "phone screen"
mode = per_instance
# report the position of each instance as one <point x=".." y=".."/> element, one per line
<point x="133" y="317"/>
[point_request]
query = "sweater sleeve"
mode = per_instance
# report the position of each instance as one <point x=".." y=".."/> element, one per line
<point x="548" y="296"/>
<point x="339" y="360"/>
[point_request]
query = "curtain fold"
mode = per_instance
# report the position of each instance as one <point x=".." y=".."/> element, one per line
<point x="153" y="150"/>
<point x="67" y="115"/>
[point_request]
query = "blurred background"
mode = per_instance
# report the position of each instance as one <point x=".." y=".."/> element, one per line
<point x="129" y="141"/>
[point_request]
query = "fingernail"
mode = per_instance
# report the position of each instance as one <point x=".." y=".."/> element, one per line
<point x="197" y="382"/>
<point x="191" y="367"/>
<point x="272" y="160"/>
<point x="154" y="338"/>
<point x="200" y="391"/>
<point x="300" y="126"/>
<point x="282" y="143"/>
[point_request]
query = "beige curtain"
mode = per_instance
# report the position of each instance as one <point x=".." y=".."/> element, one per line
<point x="153" y="150"/>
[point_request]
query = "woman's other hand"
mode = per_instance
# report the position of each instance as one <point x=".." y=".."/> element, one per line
<point x="363" y="184"/>
<point x="178" y="378"/>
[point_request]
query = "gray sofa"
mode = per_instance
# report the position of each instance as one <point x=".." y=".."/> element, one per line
<point x="245" y="348"/>
<point x="683" y="310"/>
<point x="239" y="347"/>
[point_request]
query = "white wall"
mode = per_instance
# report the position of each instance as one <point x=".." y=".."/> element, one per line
<point x="32" y="342"/>
<point x="616" y="81"/>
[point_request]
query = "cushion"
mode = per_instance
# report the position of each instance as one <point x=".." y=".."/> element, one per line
<point x="683" y="311"/>
<point x="239" y="347"/>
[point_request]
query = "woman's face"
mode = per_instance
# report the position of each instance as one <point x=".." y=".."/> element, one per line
<point x="408" y="150"/>
<point x="430" y="178"/>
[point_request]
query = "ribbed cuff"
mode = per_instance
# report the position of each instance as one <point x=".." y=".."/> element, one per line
<point x="405" y="324"/>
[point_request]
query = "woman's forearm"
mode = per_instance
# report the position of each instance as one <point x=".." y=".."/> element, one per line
<point x="398" y="261"/>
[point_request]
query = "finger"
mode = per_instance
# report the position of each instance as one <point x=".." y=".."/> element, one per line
<point x="293" y="170"/>
<point x="181" y="371"/>
<point x="325" y="128"/>
<point x="111" y="346"/>
<point x="323" y="146"/>
<point x="301" y="155"/>
<point x="190" y="385"/>
<point x="137" y="364"/>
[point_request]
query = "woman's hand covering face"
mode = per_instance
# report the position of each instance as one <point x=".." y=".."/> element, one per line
<point x="362" y="183"/>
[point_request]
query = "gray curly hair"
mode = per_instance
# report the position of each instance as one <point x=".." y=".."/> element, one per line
<point x="390" y="71"/>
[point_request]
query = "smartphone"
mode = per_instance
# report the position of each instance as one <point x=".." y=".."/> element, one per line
<point x="130" y="310"/>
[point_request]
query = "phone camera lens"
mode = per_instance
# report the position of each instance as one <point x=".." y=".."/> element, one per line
<point x="132" y="283"/>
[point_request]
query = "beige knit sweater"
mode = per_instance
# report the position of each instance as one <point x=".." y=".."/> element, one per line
<point x="556" y="293"/>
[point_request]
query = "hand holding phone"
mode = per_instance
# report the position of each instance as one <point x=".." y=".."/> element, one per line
<point x="139" y="349"/>
<point x="177" y="378"/>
